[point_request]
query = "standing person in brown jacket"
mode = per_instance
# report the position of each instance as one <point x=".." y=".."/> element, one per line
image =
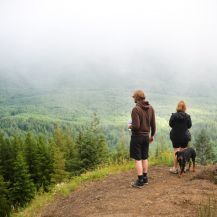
<point x="143" y="129"/>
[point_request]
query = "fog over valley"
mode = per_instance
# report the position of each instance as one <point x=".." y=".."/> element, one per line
<point x="64" y="60"/>
<point x="153" y="45"/>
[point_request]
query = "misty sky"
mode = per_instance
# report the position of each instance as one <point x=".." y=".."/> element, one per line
<point x="56" y="37"/>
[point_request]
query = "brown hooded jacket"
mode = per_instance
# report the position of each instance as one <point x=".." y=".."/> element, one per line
<point x="143" y="119"/>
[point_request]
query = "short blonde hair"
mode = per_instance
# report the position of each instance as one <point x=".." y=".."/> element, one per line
<point x="138" y="95"/>
<point x="181" y="107"/>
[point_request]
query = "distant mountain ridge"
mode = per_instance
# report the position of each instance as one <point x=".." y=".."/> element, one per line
<point x="150" y="82"/>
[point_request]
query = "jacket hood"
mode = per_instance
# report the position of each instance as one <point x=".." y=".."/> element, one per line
<point x="180" y="115"/>
<point x="144" y="104"/>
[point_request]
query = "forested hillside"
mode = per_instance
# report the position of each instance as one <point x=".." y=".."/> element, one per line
<point x="26" y="108"/>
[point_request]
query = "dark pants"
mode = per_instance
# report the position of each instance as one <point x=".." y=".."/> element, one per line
<point x="180" y="144"/>
<point x="139" y="147"/>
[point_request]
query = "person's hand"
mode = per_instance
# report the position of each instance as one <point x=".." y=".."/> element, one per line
<point x="151" y="139"/>
<point x="129" y="126"/>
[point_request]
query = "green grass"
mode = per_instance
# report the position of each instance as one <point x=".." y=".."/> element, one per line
<point x="165" y="158"/>
<point x="208" y="208"/>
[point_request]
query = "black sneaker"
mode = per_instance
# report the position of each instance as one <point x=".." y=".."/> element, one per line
<point x="138" y="184"/>
<point x="145" y="180"/>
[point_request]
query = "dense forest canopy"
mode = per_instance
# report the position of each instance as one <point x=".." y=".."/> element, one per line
<point x="26" y="107"/>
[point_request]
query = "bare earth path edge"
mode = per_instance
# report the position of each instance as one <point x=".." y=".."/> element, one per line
<point x="166" y="195"/>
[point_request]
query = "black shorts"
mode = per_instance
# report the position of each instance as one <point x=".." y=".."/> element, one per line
<point x="139" y="147"/>
<point x="180" y="145"/>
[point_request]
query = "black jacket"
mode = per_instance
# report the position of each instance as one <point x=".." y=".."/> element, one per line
<point x="180" y="122"/>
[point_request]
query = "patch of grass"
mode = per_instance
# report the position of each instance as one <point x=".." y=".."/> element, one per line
<point x="165" y="158"/>
<point x="64" y="189"/>
<point x="162" y="155"/>
<point x="208" y="208"/>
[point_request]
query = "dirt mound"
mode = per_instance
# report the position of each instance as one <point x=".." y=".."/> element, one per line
<point x="166" y="195"/>
<point x="208" y="173"/>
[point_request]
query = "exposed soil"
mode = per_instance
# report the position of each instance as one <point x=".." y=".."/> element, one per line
<point x="166" y="195"/>
<point x="208" y="173"/>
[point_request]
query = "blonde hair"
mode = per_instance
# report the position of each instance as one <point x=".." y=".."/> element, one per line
<point x="138" y="95"/>
<point x="181" y="107"/>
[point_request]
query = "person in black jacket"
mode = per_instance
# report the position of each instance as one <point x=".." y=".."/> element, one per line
<point x="180" y="122"/>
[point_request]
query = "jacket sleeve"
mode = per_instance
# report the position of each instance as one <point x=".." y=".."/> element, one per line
<point x="135" y="120"/>
<point x="153" y="123"/>
<point x="189" y="123"/>
<point x="171" y="122"/>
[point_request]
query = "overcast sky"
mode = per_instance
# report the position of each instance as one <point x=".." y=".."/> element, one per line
<point x="59" y="37"/>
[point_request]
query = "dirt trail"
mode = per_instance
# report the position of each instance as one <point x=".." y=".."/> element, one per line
<point x="166" y="195"/>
